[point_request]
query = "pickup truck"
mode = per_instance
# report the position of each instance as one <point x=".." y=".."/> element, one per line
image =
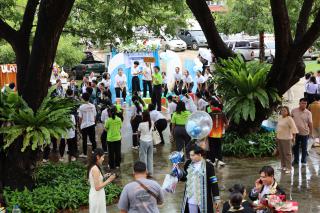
<point x="241" y="47"/>
<point x="87" y="66"/>
<point x="269" y="49"/>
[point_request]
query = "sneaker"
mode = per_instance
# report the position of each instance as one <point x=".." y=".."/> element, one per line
<point x="287" y="172"/>
<point x="61" y="159"/>
<point x="73" y="159"/>
<point x="89" y="144"/>
<point x="135" y="147"/>
<point x="303" y="163"/>
<point x="82" y="156"/>
<point x="45" y="161"/>
<point x="117" y="167"/>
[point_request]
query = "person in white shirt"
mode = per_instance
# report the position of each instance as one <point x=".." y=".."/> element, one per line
<point x="135" y="71"/>
<point x="120" y="84"/>
<point x="188" y="101"/>
<point x="87" y="118"/>
<point x="59" y="91"/>
<point x="70" y="139"/>
<point x="92" y="77"/>
<point x="164" y="84"/>
<point x="207" y="77"/>
<point x="318" y="77"/>
<point x="201" y="103"/>
<point x="84" y="84"/>
<point x="177" y="82"/>
<point x="147" y="80"/>
<point x="200" y="82"/>
<point x="187" y="82"/>
<point x="103" y="137"/>
<point x="172" y="106"/>
<point x="158" y="119"/>
<point x="136" y="119"/>
<point x="146" y="144"/>
<point x="312" y="88"/>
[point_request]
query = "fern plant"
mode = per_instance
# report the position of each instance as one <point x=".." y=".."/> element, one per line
<point x="243" y="86"/>
<point x="52" y="119"/>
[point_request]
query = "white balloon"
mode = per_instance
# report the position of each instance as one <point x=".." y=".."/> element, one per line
<point x="199" y="125"/>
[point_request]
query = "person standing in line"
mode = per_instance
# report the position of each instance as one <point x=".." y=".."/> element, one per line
<point x="95" y="92"/>
<point x="84" y="84"/>
<point x="136" y="119"/>
<point x="311" y="89"/>
<point x="59" y="91"/>
<point x="188" y="101"/>
<point x="164" y="84"/>
<point x="159" y="121"/>
<point x="146" y="144"/>
<point x="135" y="71"/>
<point x="178" y="83"/>
<point x="215" y="137"/>
<point x="314" y="108"/>
<point x="97" y="195"/>
<point x="106" y="81"/>
<point x="120" y="84"/>
<point x="178" y="121"/>
<point x="103" y="137"/>
<point x="74" y="88"/>
<point x="303" y="120"/>
<point x="286" y="133"/>
<point x="113" y="127"/>
<point x="157" y="90"/>
<point x="87" y="118"/>
<point x="91" y="78"/>
<point x="142" y="195"/>
<point x="187" y="82"/>
<point x="200" y="82"/>
<point x="70" y="139"/>
<point x="201" y="192"/>
<point x="147" y="80"/>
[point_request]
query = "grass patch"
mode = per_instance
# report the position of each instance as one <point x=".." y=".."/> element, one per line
<point x="312" y="66"/>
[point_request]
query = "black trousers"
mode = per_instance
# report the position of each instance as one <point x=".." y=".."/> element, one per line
<point x="181" y="137"/>
<point x="178" y="88"/>
<point x="124" y="93"/>
<point x="135" y="124"/>
<point x="46" y="151"/>
<point x="161" y="125"/>
<point x="165" y="90"/>
<point x="103" y="139"/>
<point x="189" y="88"/>
<point x="215" y="149"/>
<point x="135" y="84"/>
<point x="147" y="85"/>
<point x="156" y="96"/>
<point x="114" y="154"/>
<point x="72" y="146"/>
<point x="91" y="132"/>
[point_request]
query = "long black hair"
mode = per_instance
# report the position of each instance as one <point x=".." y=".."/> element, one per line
<point x="136" y="103"/>
<point x="98" y="152"/>
<point x="146" y="118"/>
<point x="180" y="107"/>
<point x="112" y="112"/>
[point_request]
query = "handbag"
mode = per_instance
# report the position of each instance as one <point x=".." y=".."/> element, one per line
<point x="170" y="183"/>
<point x="156" y="136"/>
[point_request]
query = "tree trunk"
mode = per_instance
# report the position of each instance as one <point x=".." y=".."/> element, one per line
<point x="261" y="46"/>
<point x="203" y="15"/>
<point x="33" y="75"/>
<point x="18" y="167"/>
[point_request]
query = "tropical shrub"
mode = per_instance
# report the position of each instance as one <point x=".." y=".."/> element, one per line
<point x="243" y="86"/>
<point x="58" y="187"/>
<point x="260" y="144"/>
<point x="7" y="55"/>
<point x="52" y="119"/>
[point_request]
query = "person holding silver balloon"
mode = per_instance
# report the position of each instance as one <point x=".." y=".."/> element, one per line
<point x="178" y="121"/>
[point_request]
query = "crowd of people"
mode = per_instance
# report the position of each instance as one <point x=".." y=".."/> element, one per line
<point x="201" y="194"/>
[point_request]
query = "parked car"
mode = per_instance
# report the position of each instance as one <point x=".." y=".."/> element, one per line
<point x="87" y="66"/>
<point x="311" y="53"/>
<point x="173" y="43"/>
<point x="269" y="49"/>
<point x="241" y="47"/>
<point x="193" y="38"/>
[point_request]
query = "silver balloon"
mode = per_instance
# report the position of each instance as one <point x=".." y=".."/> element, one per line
<point x="199" y="125"/>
